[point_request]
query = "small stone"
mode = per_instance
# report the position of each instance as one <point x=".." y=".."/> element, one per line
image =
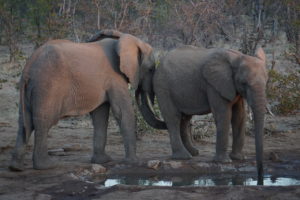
<point x="175" y="164"/>
<point x="203" y="165"/>
<point x="72" y="147"/>
<point x="153" y="164"/>
<point x="56" y="152"/>
<point x="86" y="173"/>
<point x="227" y="168"/>
<point x="99" y="169"/>
<point x="73" y="176"/>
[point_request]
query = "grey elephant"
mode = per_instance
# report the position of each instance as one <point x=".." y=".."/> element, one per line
<point x="63" y="78"/>
<point x="197" y="81"/>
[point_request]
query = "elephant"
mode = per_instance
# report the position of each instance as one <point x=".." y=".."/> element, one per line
<point x="197" y="81"/>
<point x="63" y="79"/>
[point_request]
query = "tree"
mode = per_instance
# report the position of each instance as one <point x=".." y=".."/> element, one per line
<point x="10" y="19"/>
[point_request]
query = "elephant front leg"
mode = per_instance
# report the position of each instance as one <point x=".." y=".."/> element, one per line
<point x="100" y="122"/>
<point x="221" y="110"/>
<point x="223" y="124"/>
<point x="238" y="130"/>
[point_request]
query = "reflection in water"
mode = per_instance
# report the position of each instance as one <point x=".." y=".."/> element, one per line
<point x="200" y="181"/>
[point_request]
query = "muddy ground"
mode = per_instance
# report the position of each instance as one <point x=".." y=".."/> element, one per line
<point x="77" y="178"/>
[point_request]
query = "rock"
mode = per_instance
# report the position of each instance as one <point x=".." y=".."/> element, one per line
<point x="203" y="165"/>
<point x="43" y="197"/>
<point x="174" y="164"/>
<point x="153" y="164"/>
<point x="227" y="168"/>
<point x="73" y="147"/>
<point x="73" y="176"/>
<point x="86" y="172"/>
<point x="98" y="169"/>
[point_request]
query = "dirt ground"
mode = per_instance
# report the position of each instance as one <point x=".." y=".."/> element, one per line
<point x="70" y="142"/>
<point x="75" y="178"/>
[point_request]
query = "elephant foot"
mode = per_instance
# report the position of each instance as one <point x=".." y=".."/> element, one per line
<point x="101" y="159"/>
<point x="237" y="156"/>
<point x="44" y="163"/>
<point x="222" y="159"/>
<point x="184" y="155"/>
<point x="131" y="160"/>
<point x="193" y="151"/>
<point x="17" y="163"/>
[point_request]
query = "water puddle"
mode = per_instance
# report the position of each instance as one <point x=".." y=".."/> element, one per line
<point x="199" y="181"/>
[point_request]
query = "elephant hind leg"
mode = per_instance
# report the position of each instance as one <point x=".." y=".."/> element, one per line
<point x="41" y="159"/>
<point x="172" y="118"/>
<point x="23" y="135"/>
<point x="42" y="122"/>
<point x="238" y="122"/>
<point x="186" y="135"/>
<point x="100" y="122"/>
<point x="17" y="161"/>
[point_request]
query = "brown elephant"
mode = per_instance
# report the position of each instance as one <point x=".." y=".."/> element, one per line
<point x="196" y="81"/>
<point x="63" y="78"/>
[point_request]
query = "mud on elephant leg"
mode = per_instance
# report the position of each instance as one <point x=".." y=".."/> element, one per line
<point x="186" y="135"/>
<point x="100" y="122"/>
<point x="238" y="122"/>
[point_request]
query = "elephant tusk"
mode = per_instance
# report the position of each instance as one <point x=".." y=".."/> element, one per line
<point x="149" y="102"/>
<point x="269" y="110"/>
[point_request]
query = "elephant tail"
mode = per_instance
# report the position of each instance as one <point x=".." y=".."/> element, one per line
<point x="147" y="111"/>
<point x="25" y="115"/>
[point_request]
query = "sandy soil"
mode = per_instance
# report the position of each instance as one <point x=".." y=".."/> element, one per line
<point x="75" y="178"/>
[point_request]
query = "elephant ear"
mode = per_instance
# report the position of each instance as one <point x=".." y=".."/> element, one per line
<point x="259" y="53"/>
<point x="217" y="71"/>
<point x="106" y="33"/>
<point x="131" y="50"/>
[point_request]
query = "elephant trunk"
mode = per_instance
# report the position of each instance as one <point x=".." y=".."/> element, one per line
<point x="144" y="100"/>
<point x="258" y="104"/>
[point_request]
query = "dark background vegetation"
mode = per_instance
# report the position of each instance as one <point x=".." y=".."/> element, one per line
<point x="165" y="24"/>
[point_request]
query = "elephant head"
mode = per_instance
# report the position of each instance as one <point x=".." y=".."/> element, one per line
<point x="145" y="98"/>
<point x="136" y="56"/>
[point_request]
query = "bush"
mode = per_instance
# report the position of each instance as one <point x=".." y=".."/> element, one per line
<point x="283" y="92"/>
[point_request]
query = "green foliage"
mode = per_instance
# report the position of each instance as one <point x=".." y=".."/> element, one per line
<point x="284" y="91"/>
